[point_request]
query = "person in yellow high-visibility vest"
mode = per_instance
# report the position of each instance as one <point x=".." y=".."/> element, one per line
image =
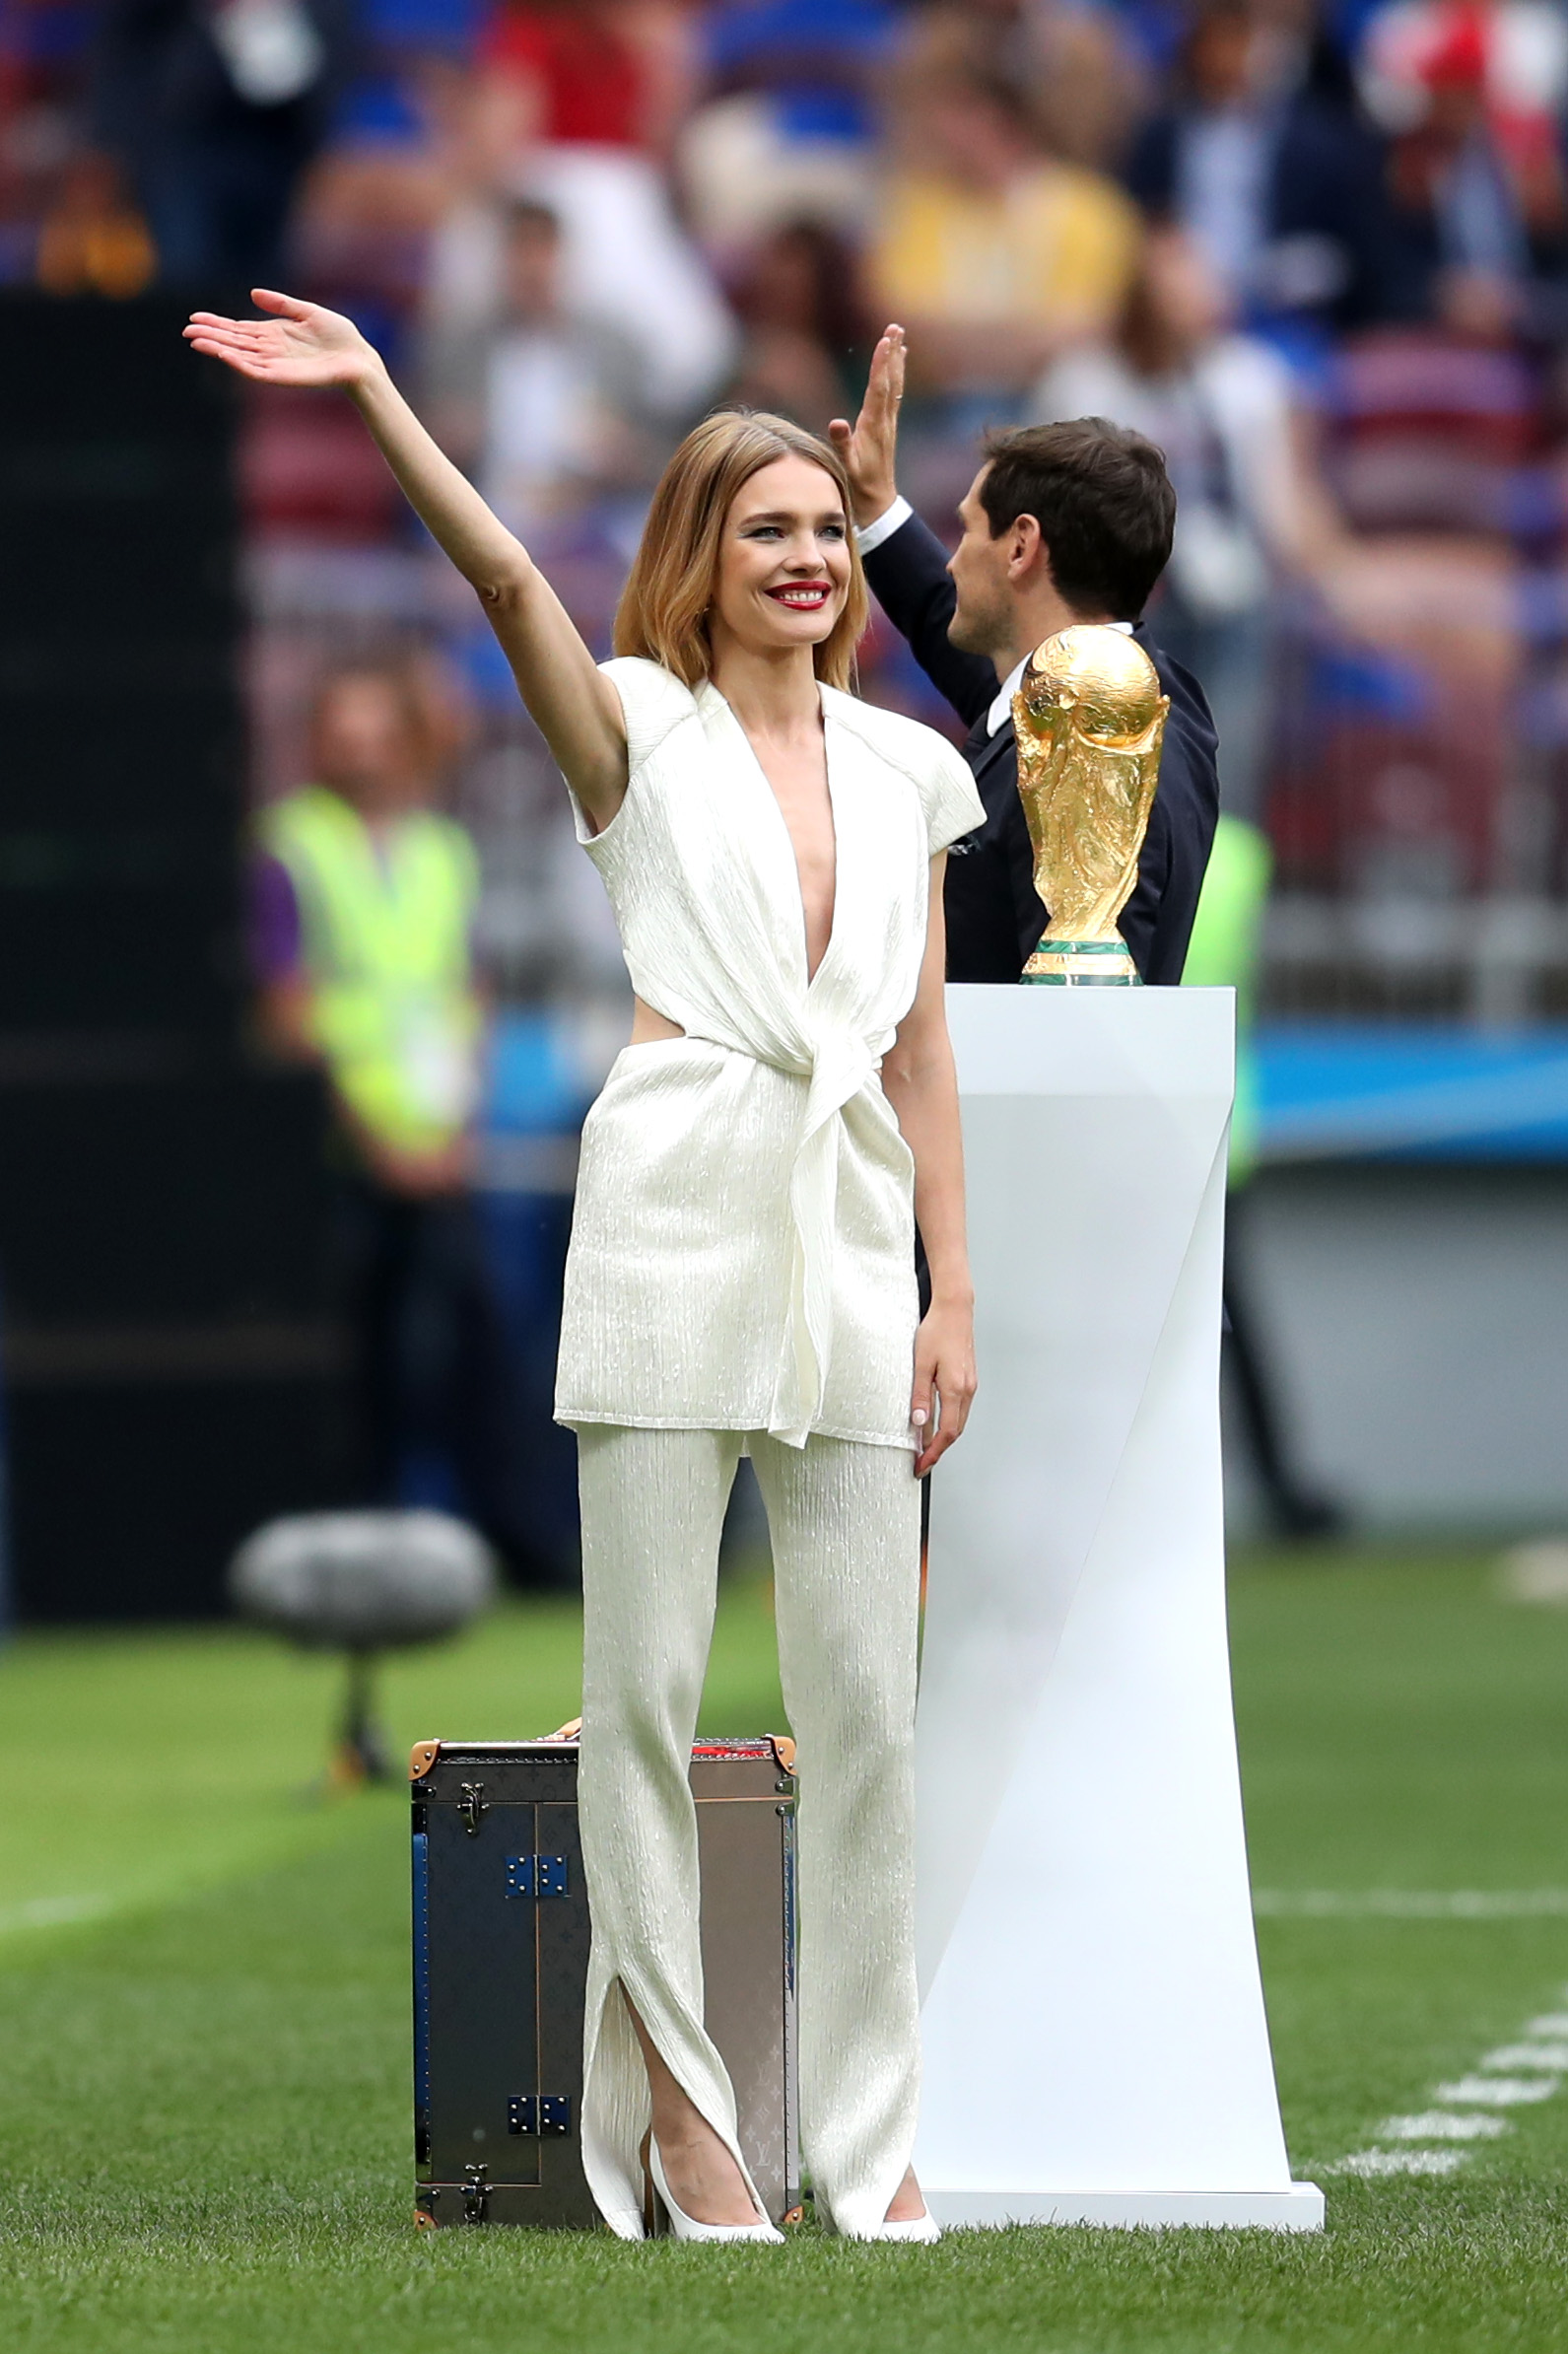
<point x="365" y="906"/>
<point x="365" y="897"/>
<point x="1227" y="936"/>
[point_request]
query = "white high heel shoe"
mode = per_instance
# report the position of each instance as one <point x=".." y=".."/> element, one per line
<point x="685" y="2227"/>
<point x="924" y="2228"/>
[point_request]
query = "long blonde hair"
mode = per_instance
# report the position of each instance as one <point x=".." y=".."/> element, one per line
<point x="669" y="592"/>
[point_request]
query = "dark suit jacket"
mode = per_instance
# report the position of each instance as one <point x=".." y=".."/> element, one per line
<point x="993" y="915"/>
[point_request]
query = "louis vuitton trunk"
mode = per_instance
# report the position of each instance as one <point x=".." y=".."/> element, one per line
<point x="500" y="1948"/>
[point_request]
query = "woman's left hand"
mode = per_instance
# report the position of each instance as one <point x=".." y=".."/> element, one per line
<point x="944" y="1380"/>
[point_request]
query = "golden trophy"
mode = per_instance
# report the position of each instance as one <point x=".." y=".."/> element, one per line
<point x="1090" y="720"/>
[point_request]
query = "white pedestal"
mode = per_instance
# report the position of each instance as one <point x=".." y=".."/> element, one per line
<point x="1096" y="2048"/>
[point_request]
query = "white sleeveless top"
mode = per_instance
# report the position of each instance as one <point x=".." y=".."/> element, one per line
<point x="742" y="1245"/>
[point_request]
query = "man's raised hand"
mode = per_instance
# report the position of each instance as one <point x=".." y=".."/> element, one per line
<point x="870" y="447"/>
<point x="300" y="344"/>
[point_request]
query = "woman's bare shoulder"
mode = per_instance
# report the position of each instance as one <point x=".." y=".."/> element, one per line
<point x="653" y="700"/>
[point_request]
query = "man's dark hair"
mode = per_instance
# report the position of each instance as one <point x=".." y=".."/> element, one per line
<point x="1103" y="501"/>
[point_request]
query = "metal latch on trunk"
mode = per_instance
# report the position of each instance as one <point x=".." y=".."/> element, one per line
<point x="539" y="2114"/>
<point x="537" y="1876"/>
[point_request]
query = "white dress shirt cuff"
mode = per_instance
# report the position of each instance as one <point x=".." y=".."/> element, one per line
<point x="892" y="519"/>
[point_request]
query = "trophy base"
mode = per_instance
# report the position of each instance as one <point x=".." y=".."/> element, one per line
<point x="1082" y="964"/>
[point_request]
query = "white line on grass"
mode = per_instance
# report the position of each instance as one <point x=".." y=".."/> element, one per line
<point x="1470" y="2103"/>
<point x="1442" y="2124"/>
<point x="1402" y="2161"/>
<point x="1498" y="2091"/>
<point x="49" y="1912"/>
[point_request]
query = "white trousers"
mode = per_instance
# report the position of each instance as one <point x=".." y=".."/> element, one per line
<point x="845" y="1524"/>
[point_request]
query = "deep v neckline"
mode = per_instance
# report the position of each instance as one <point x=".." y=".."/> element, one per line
<point x="766" y="781"/>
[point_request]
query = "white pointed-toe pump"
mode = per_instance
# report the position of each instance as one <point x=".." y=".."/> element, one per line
<point x="685" y="2227"/>
<point x="924" y="2228"/>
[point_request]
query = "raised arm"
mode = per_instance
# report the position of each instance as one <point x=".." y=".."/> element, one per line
<point x="578" y="710"/>
<point x="907" y="570"/>
<point x="869" y="447"/>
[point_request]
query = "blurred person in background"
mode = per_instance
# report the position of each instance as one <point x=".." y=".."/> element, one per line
<point x="1088" y="89"/>
<point x="594" y="73"/>
<point x="575" y="106"/>
<point x="541" y="404"/>
<point x="1076" y="69"/>
<point x="1251" y="508"/>
<point x="214" y="112"/>
<point x="805" y="345"/>
<point x="993" y="254"/>
<point x="787" y="130"/>
<point x="364" y="902"/>
<point x="1474" y="97"/>
<point x="94" y="240"/>
<point x="1509" y="60"/>
<point x="1261" y="156"/>
<point x="1224" y="953"/>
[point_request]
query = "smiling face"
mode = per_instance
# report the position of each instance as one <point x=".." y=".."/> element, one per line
<point x="783" y="559"/>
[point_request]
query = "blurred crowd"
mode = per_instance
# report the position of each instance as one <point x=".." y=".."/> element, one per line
<point x="1320" y="253"/>
<point x="1317" y="249"/>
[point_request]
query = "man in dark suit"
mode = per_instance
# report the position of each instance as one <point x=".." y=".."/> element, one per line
<point x="1063" y="523"/>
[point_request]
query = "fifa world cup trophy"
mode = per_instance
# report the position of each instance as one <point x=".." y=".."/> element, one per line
<point x="1090" y="720"/>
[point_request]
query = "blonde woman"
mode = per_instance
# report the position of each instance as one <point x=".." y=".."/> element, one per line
<point x="741" y="1276"/>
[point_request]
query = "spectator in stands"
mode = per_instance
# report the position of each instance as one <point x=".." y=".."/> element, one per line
<point x="364" y="903"/>
<point x="1249" y="502"/>
<point x="788" y="129"/>
<point x="361" y="226"/>
<point x="1087" y="87"/>
<point x="573" y="109"/>
<point x="215" y="113"/>
<point x="92" y="240"/>
<point x="1076" y="69"/>
<point x="1477" y="170"/>
<point x="593" y="73"/>
<point x="992" y="254"/>
<point x="1270" y="171"/>
<point x="1509" y="58"/>
<point x="543" y="405"/>
<point x="806" y="347"/>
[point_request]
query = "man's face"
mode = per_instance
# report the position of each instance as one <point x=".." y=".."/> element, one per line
<point x="983" y="621"/>
<point x="364" y="747"/>
<point x="1220" y="61"/>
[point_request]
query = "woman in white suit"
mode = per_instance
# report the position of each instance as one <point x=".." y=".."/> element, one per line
<point x="742" y="1271"/>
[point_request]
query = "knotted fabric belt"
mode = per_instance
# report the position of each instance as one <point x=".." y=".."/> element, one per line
<point x="839" y="1064"/>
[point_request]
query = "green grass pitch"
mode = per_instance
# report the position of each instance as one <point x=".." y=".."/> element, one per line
<point x="204" y="2128"/>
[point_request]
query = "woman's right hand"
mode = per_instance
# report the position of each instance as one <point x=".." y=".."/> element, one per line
<point x="301" y="344"/>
